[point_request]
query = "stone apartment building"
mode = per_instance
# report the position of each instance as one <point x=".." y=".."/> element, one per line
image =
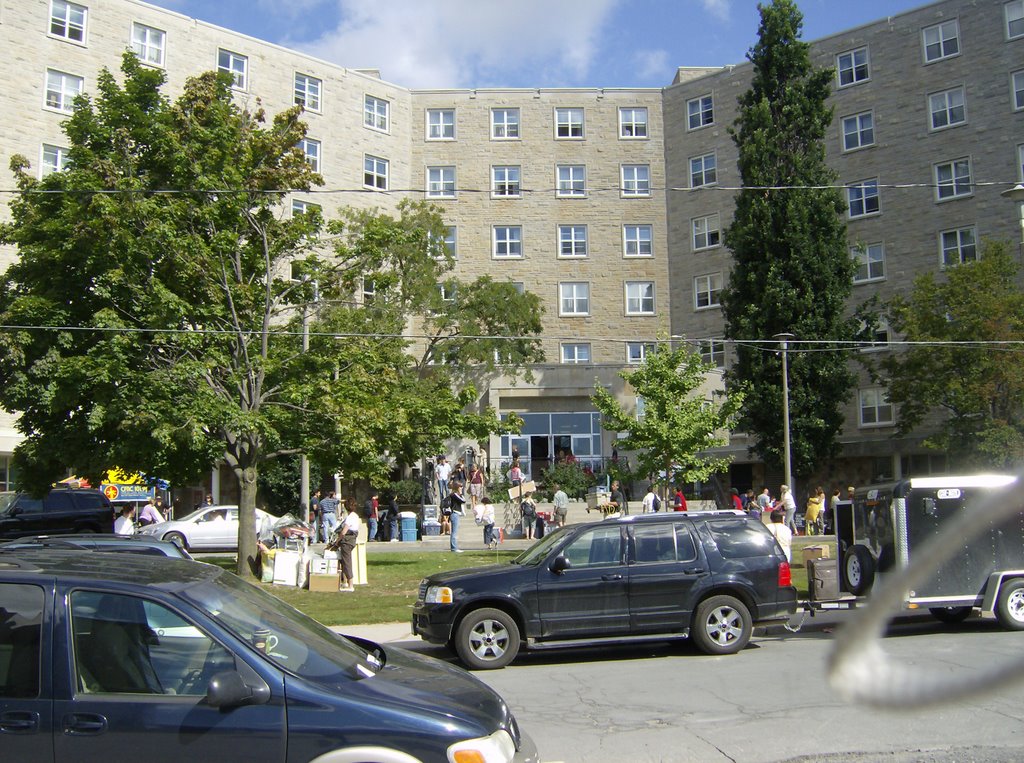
<point x="583" y="196"/>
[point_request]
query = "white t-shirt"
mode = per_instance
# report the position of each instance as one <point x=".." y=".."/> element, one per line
<point x="352" y="523"/>
<point x="648" y="502"/>
<point x="443" y="471"/>
<point x="123" y="525"/>
<point x="784" y="536"/>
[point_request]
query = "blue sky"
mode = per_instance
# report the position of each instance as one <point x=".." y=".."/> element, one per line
<point x="523" y="43"/>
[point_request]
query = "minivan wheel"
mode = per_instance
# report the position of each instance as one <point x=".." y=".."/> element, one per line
<point x="487" y="639"/>
<point x="1010" y="605"/>
<point x="178" y="540"/>
<point x="722" y="625"/>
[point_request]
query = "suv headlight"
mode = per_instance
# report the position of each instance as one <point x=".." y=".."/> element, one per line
<point x="439" y="594"/>
<point x="497" y="748"/>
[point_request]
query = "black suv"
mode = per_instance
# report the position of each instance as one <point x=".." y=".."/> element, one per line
<point x="711" y="576"/>
<point x="62" y="510"/>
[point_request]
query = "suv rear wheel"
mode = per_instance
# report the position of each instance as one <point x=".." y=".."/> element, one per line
<point x="487" y="639"/>
<point x="722" y="625"/>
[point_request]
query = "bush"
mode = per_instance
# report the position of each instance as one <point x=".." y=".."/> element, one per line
<point x="408" y="491"/>
<point x="572" y="478"/>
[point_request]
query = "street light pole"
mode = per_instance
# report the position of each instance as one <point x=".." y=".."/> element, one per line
<point x="303" y="459"/>
<point x="784" y="339"/>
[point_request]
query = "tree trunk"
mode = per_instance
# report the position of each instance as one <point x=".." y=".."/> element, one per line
<point x="248" y="554"/>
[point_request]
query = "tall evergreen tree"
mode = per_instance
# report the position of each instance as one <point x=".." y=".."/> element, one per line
<point x="792" y="270"/>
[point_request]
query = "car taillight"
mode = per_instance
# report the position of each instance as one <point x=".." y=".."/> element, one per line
<point x="785" y="578"/>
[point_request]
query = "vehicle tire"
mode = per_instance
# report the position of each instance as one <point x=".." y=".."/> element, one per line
<point x="487" y="639"/>
<point x="859" y="570"/>
<point x="951" y="615"/>
<point x="722" y="625"/>
<point x="177" y="539"/>
<point x="1010" y="605"/>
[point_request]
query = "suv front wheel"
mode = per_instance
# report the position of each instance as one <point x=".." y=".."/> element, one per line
<point x="487" y="639"/>
<point x="722" y="625"/>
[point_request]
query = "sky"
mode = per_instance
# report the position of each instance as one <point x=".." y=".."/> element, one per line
<point x="523" y="43"/>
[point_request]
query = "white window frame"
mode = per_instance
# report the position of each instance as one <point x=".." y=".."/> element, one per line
<point x="1017" y="90"/>
<point x="447" y="290"/>
<point x="68" y="21"/>
<point x="573" y="299"/>
<point x="376" y="113"/>
<point x="636" y="180"/>
<point x="633" y="123"/>
<point x="639" y="298"/>
<point x="707" y="288"/>
<point x="1013" y="13"/>
<point x="881" y="338"/>
<point x="703" y="170"/>
<point x="849" y="70"/>
<point x="441" y="182"/>
<point x="871" y="259"/>
<point x="712" y="350"/>
<point x="875" y="400"/>
<point x="440" y="124"/>
<point x="857" y="131"/>
<point x="953" y="179"/>
<point x="705" y="232"/>
<point x="700" y="112"/>
<point x="637" y="352"/>
<point x="571" y="181"/>
<point x="508" y="238"/>
<point x="307" y="91"/>
<point x="569" y="123"/>
<point x="575" y="353"/>
<point x="572" y="242"/>
<point x="301" y="207"/>
<point x="864" y="192"/>
<point x="311" y="149"/>
<point x="508" y="127"/>
<point x="947" y="103"/>
<point x="236" y="65"/>
<point x="378" y="170"/>
<point x="633" y="238"/>
<point x="57" y="85"/>
<point x="451" y="241"/>
<point x="966" y="241"/>
<point x="149" y="44"/>
<point x="940" y="41"/>
<point x="52" y="159"/>
<point x="506" y="181"/>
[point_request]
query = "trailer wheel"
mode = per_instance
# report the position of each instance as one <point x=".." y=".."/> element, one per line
<point x="1010" y="605"/>
<point x="859" y="570"/>
<point x="951" y="615"/>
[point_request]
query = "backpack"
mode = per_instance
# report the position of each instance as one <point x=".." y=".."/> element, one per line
<point x="529" y="510"/>
<point x="657" y="503"/>
<point x="446" y="502"/>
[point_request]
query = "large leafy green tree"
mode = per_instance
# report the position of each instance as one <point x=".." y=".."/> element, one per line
<point x="792" y="271"/>
<point x="962" y="368"/>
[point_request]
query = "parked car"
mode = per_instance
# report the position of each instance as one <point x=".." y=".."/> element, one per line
<point x="129" y="544"/>
<point x="62" y="510"/>
<point x="208" y="528"/>
<point x="710" y="576"/>
<point x="173" y="660"/>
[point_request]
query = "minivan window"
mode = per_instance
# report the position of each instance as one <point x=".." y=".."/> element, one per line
<point x="741" y="539"/>
<point x="21" y="618"/>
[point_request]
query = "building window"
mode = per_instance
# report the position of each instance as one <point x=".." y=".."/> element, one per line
<point x="236" y="65"/>
<point x="575" y="353"/>
<point x="633" y="122"/>
<point x="447" y="291"/>
<point x="67" y="20"/>
<point x="703" y="170"/>
<point x="712" y="351"/>
<point x="148" y="44"/>
<point x="1020" y="162"/>
<point x="450" y="241"/>
<point x="300" y="207"/>
<point x="862" y="198"/>
<point x="705" y="232"/>
<point x="1017" y="85"/>
<point x="879" y="337"/>
<point x="572" y="240"/>
<point x="376" y="113"/>
<point x="875" y="408"/>
<point x="953" y="179"/>
<point x="1014" y="19"/>
<point x="941" y="41"/>
<point x="441" y="182"/>
<point x="636" y="241"/>
<point x="375" y="172"/>
<point x="440" y="124"/>
<point x="61" y="90"/>
<point x="307" y="92"/>
<point x="947" y="108"/>
<point x="505" y="124"/>
<point x="700" y="112"/>
<point x="568" y="123"/>
<point x="637" y="352"/>
<point x="858" y="131"/>
<point x="572" y="180"/>
<point x="706" y="290"/>
<point x="852" y="67"/>
<point x="870" y="262"/>
<point x="508" y="241"/>
<point x="54" y="159"/>
<point x="505" y="182"/>
<point x="573" y="298"/>
<point x="636" y="180"/>
<point x="311" y="148"/>
<point x="958" y="246"/>
<point x="444" y="246"/>
<point x="639" y="298"/>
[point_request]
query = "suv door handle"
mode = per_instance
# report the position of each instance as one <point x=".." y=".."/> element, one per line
<point x="19" y="722"/>
<point x="695" y="571"/>
<point x="611" y="577"/>
<point x="84" y="724"/>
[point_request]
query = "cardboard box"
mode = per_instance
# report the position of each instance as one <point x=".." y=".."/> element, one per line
<point x="815" y="552"/>
<point x="320" y="566"/>
<point x="516" y="492"/>
<point x="327" y="583"/>
<point x="332" y="566"/>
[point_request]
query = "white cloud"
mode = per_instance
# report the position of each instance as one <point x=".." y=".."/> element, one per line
<point x="467" y="43"/>
<point x="718" y="8"/>
<point x="654" y="65"/>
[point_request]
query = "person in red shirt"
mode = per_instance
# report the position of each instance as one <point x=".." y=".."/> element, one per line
<point x="680" y="502"/>
<point x="736" y="502"/>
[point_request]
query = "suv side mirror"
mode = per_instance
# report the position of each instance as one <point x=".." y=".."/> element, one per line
<point x="228" y="689"/>
<point x="560" y="565"/>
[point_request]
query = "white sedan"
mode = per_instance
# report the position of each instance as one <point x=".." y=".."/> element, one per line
<point x="211" y="527"/>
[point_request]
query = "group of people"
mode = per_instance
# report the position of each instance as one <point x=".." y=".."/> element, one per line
<point x="151" y="512"/>
<point x="325" y="515"/>
<point x="457" y="487"/>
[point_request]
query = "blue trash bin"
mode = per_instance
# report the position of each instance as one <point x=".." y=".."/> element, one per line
<point x="408" y="524"/>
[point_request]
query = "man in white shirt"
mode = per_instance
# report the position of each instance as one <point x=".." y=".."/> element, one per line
<point x="789" y="504"/>
<point x="561" y="502"/>
<point x="442" y="471"/>
<point x="124" y="525"/>
<point x="783" y="535"/>
<point x="648" y="505"/>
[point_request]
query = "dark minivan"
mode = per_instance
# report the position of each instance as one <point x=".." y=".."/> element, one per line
<point x="62" y="510"/>
<point x="709" y="576"/>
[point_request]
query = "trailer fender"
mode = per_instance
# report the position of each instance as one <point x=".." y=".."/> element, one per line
<point x="992" y="586"/>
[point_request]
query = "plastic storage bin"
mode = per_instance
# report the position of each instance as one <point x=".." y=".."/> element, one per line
<point x="431" y="528"/>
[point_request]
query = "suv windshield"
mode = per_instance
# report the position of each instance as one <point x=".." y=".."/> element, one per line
<point x="6" y="499"/>
<point x="536" y="553"/>
<point x="300" y="645"/>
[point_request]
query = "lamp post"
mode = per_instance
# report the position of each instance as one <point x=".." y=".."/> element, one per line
<point x="303" y="459"/>
<point x="1016" y="195"/>
<point x="784" y="339"/>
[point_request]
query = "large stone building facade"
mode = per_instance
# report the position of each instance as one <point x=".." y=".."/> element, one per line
<point x="583" y="196"/>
